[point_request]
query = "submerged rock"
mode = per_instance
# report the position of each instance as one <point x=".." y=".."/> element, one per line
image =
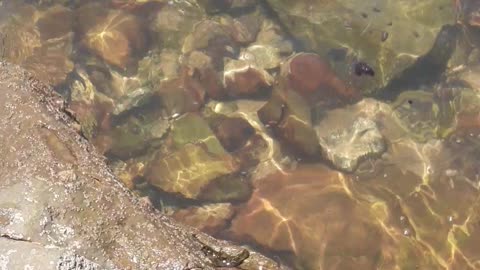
<point x="357" y="27"/>
<point x="312" y="77"/>
<point x="233" y="133"/>
<point x="244" y="78"/>
<point x="214" y="39"/>
<point x="72" y="210"/>
<point x="173" y="22"/>
<point x="346" y="148"/>
<point x="308" y="213"/>
<point x="189" y="171"/>
<point x="197" y="166"/>
<point x="116" y="38"/>
<point x="289" y="116"/>
<point x="210" y="218"/>
<point x="135" y="134"/>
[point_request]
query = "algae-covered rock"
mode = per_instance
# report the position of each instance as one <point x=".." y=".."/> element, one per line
<point x="359" y="27"/>
<point x="189" y="170"/>
<point x="135" y="134"/>
<point x="192" y="128"/>
<point x="197" y="166"/>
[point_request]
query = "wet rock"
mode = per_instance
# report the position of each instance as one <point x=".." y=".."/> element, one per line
<point x="233" y="133"/>
<point x="312" y="77"/>
<point x="189" y="170"/>
<point x="137" y="5"/>
<point x="116" y="38"/>
<point x="244" y="29"/>
<point x="55" y="22"/>
<point x="192" y="128"/>
<point x="244" y="78"/>
<point x="205" y="72"/>
<point x="19" y="38"/>
<point x="263" y="56"/>
<point x="77" y="204"/>
<point x="91" y="108"/>
<point x="181" y="95"/>
<point x="197" y="166"/>
<point x="51" y="65"/>
<point x="338" y="24"/>
<point x="157" y="66"/>
<point x="289" y="117"/>
<point x="135" y="134"/>
<point x="417" y="113"/>
<point x="128" y="172"/>
<point x="272" y="35"/>
<point x="213" y="38"/>
<point x="307" y="212"/>
<point x="346" y="148"/>
<point x="173" y="22"/>
<point x="216" y="6"/>
<point x="210" y="218"/>
<point x="468" y="12"/>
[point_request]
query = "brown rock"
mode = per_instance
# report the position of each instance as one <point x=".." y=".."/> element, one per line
<point x="116" y="38"/>
<point x="205" y="73"/>
<point x="288" y="115"/>
<point x="56" y="22"/>
<point x="311" y="77"/>
<point x="244" y="78"/>
<point x="309" y="213"/>
<point x="233" y="133"/>
<point x="71" y="199"/>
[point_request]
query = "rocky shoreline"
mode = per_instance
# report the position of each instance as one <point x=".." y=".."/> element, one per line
<point x="62" y="208"/>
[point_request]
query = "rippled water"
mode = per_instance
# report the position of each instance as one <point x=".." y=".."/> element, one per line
<point x="336" y="134"/>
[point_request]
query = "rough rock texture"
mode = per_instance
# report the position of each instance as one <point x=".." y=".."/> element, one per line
<point x="346" y="148"/>
<point x="60" y="204"/>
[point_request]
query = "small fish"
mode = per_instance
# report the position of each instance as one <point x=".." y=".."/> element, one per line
<point x="362" y="68"/>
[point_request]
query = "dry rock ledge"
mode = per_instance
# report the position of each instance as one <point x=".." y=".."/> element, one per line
<point x="62" y="208"/>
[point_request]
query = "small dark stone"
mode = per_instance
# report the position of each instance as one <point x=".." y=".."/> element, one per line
<point x="384" y="36"/>
<point x="375" y="9"/>
<point x="390" y="23"/>
<point x="364" y="15"/>
<point x="362" y="68"/>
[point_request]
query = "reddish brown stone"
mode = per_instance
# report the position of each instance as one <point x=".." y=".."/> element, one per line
<point x="233" y="133"/>
<point x="310" y="76"/>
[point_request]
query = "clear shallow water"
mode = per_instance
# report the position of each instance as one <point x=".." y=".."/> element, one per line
<point x="251" y="121"/>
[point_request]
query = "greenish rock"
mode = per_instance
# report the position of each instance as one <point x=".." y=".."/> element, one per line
<point x="136" y="134"/>
<point x="133" y="99"/>
<point x="192" y="128"/>
<point x="191" y="170"/>
<point x="358" y="28"/>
